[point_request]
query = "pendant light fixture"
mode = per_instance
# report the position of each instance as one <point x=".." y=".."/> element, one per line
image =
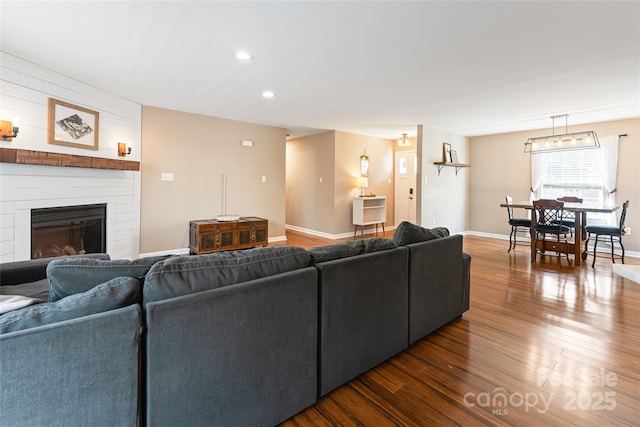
<point x="404" y="142"/>
<point x="563" y="142"/>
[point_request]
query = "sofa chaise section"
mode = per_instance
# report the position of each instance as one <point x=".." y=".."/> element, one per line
<point x="242" y="354"/>
<point x="363" y="314"/>
<point x="438" y="284"/>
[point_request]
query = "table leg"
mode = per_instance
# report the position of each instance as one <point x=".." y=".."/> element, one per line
<point x="578" y="238"/>
<point x="533" y="235"/>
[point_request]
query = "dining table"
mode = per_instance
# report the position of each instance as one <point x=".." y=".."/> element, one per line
<point x="578" y="246"/>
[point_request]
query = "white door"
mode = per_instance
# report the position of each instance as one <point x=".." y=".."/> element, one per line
<point x="406" y="171"/>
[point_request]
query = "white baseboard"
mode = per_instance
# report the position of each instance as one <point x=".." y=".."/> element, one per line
<point x="186" y="251"/>
<point x="332" y="236"/>
<point x="631" y="254"/>
<point x="181" y="251"/>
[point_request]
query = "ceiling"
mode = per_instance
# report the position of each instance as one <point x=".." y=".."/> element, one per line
<point x="375" y="68"/>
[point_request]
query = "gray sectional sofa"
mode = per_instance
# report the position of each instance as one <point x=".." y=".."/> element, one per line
<point x="237" y="338"/>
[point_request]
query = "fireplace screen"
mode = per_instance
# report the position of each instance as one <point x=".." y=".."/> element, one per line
<point x="68" y="230"/>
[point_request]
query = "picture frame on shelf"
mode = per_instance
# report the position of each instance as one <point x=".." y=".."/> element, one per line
<point x="446" y="149"/>
<point x="72" y="125"/>
<point x="454" y="156"/>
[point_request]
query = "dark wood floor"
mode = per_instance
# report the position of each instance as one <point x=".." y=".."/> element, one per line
<point x="541" y="345"/>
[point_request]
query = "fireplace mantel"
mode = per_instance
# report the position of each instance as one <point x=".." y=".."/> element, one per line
<point x="32" y="157"/>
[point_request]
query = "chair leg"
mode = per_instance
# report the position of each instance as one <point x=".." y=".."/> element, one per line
<point x="595" y="244"/>
<point x="611" y="241"/>
<point x="621" y="246"/>
<point x="586" y="248"/>
<point x="510" y="238"/>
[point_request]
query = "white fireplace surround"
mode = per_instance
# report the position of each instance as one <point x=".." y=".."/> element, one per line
<point x="27" y="187"/>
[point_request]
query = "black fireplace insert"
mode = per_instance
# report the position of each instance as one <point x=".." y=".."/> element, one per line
<point x="68" y="230"/>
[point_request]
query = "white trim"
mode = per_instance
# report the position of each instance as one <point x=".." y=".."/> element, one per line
<point x="333" y="236"/>
<point x="631" y="254"/>
<point x="187" y="251"/>
<point x="182" y="251"/>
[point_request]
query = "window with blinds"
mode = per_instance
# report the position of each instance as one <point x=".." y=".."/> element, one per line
<point x="574" y="173"/>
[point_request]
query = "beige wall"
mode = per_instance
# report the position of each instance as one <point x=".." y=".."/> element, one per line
<point x="309" y="201"/>
<point x="444" y="199"/>
<point x="334" y="156"/>
<point x="198" y="150"/>
<point x="500" y="167"/>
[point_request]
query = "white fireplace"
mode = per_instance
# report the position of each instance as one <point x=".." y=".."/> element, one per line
<point x="27" y="187"/>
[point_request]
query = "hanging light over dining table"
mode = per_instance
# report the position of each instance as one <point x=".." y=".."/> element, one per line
<point x="562" y="142"/>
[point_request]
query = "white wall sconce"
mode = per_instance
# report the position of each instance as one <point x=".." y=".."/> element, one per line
<point x="124" y="149"/>
<point x="9" y="130"/>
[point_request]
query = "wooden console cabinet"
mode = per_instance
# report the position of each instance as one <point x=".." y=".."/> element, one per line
<point x="211" y="235"/>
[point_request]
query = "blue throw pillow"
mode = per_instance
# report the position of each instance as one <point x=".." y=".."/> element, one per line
<point x="68" y="276"/>
<point x="186" y="275"/>
<point x="347" y="249"/>
<point x="116" y="293"/>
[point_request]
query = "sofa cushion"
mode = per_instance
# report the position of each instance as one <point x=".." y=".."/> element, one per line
<point x="342" y="250"/>
<point x="116" y="293"/>
<point x="186" y="275"/>
<point x="68" y="276"/>
<point x="407" y="233"/>
<point x="38" y="289"/>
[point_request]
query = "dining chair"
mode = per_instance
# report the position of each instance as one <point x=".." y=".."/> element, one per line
<point x="569" y="218"/>
<point x="515" y="224"/>
<point x="608" y="230"/>
<point x="548" y="215"/>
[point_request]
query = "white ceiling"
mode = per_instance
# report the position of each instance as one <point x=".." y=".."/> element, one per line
<point x="375" y="68"/>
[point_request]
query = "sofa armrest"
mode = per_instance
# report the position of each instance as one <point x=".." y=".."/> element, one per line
<point x="79" y="372"/>
<point x="31" y="270"/>
<point x="435" y="284"/>
<point x="466" y="280"/>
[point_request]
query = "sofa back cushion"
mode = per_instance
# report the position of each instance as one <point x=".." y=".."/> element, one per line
<point x="31" y="270"/>
<point x="355" y="247"/>
<point x="68" y="276"/>
<point x="186" y="275"/>
<point x="116" y="293"/>
<point x="407" y="233"/>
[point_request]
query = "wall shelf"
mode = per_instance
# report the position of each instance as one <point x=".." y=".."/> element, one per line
<point x="458" y="166"/>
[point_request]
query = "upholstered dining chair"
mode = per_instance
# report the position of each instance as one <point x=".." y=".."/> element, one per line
<point x="515" y="224"/>
<point x="548" y="215"/>
<point x="608" y="230"/>
<point x="569" y="218"/>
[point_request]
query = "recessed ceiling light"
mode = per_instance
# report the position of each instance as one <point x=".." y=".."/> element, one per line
<point x="244" y="56"/>
<point x="268" y="94"/>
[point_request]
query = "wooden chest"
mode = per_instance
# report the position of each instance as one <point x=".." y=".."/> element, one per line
<point x="211" y="235"/>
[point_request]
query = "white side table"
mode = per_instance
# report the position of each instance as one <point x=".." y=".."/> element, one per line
<point x="368" y="211"/>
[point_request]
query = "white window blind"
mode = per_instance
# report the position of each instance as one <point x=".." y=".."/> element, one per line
<point x="574" y="173"/>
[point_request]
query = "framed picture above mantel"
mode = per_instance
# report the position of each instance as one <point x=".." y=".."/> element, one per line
<point x="72" y="125"/>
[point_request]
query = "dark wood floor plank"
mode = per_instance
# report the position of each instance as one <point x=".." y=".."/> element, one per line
<point x="533" y="330"/>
